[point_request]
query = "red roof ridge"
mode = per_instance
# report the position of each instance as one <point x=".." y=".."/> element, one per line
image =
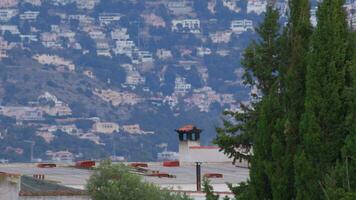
<point x="204" y="147"/>
<point x="187" y="128"/>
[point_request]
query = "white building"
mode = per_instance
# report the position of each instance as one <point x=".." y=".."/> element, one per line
<point x="7" y="14"/>
<point x="124" y="47"/>
<point x="256" y="6"/>
<point x="97" y="35"/>
<point x="58" y="109"/>
<point x="89" y="74"/>
<point x="313" y="18"/>
<point x="132" y="129"/>
<point x="164" y="54"/>
<point x="201" y="51"/>
<point x="30" y="38"/>
<point x="3" y="47"/>
<point x="34" y="2"/>
<point x="107" y="18"/>
<point x="240" y="26"/>
<point x="145" y="56"/>
<point x="29" y="15"/>
<point x="221" y="36"/>
<point x="171" y="101"/>
<point x="120" y="34"/>
<point x="180" y="7"/>
<point x="86" y="4"/>
<point x="13" y="29"/>
<point x="61" y="155"/>
<point x="181" y="87"/>
<point x="105" y="127"/>
<point x="22" y="113"/>
<point x="231" y="5"/>
<point x="353" y="21"/>
<point x="133" y="77"/>
<point x="186" y="26"/>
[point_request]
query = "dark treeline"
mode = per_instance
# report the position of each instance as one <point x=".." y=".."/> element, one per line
<point x="301" y="127"/>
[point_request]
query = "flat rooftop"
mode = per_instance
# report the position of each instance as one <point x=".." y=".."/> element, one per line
<point x="184" y="176"/>
<point x="62" y="174"/>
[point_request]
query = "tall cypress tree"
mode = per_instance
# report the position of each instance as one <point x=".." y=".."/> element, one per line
<point x="341" y="184"/>
<point x="298" y="34"/>
<point x="256" y="125"/>
<point x="323" y="121"/>
<point x="268" y="163"/>
<point x="263" y="59"/>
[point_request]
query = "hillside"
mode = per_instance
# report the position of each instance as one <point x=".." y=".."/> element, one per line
<point x="94" y="78"/>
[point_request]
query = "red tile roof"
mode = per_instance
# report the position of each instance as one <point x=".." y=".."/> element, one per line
<point x="204" y="147"/>
<point x="188" y="128"/>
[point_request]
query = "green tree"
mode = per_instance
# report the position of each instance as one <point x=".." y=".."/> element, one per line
<point x="302" y="129"/>
<point x="259" y="123"/>
<point x="209" y="192"/>
<point x="261" y="60"/>
<point x="340" y="183"/>
<point x="115" y="182"/>
<point x="322" y="123"/>
<point x="296" y="43"/>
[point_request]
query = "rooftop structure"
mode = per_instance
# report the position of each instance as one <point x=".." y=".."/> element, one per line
<point x="190" y="150"/>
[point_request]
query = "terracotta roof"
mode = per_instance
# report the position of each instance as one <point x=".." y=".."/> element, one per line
<point x="204" y="147"/>
<point x="188" y="128"/>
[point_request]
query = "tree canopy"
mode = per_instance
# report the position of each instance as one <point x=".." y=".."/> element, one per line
<point x="301" y="123"/>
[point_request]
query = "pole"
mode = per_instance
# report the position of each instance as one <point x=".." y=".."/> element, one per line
<point x="198" y="173"/>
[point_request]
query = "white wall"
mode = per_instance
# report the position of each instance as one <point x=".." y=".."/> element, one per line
<point x="211" y="155"/>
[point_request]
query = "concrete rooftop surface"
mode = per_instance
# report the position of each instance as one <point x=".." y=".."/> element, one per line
<point x="184" y="177"/>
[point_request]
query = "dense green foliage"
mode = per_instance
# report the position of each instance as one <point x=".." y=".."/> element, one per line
<point x="115" y="182"/>
<point x="208" y="190"/>
<point x="301" y="125"/>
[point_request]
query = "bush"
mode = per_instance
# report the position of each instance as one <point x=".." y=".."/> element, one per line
<point x="114" y="182"/>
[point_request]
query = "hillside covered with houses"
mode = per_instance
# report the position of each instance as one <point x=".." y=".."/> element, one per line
<point x="113" y="78"/>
